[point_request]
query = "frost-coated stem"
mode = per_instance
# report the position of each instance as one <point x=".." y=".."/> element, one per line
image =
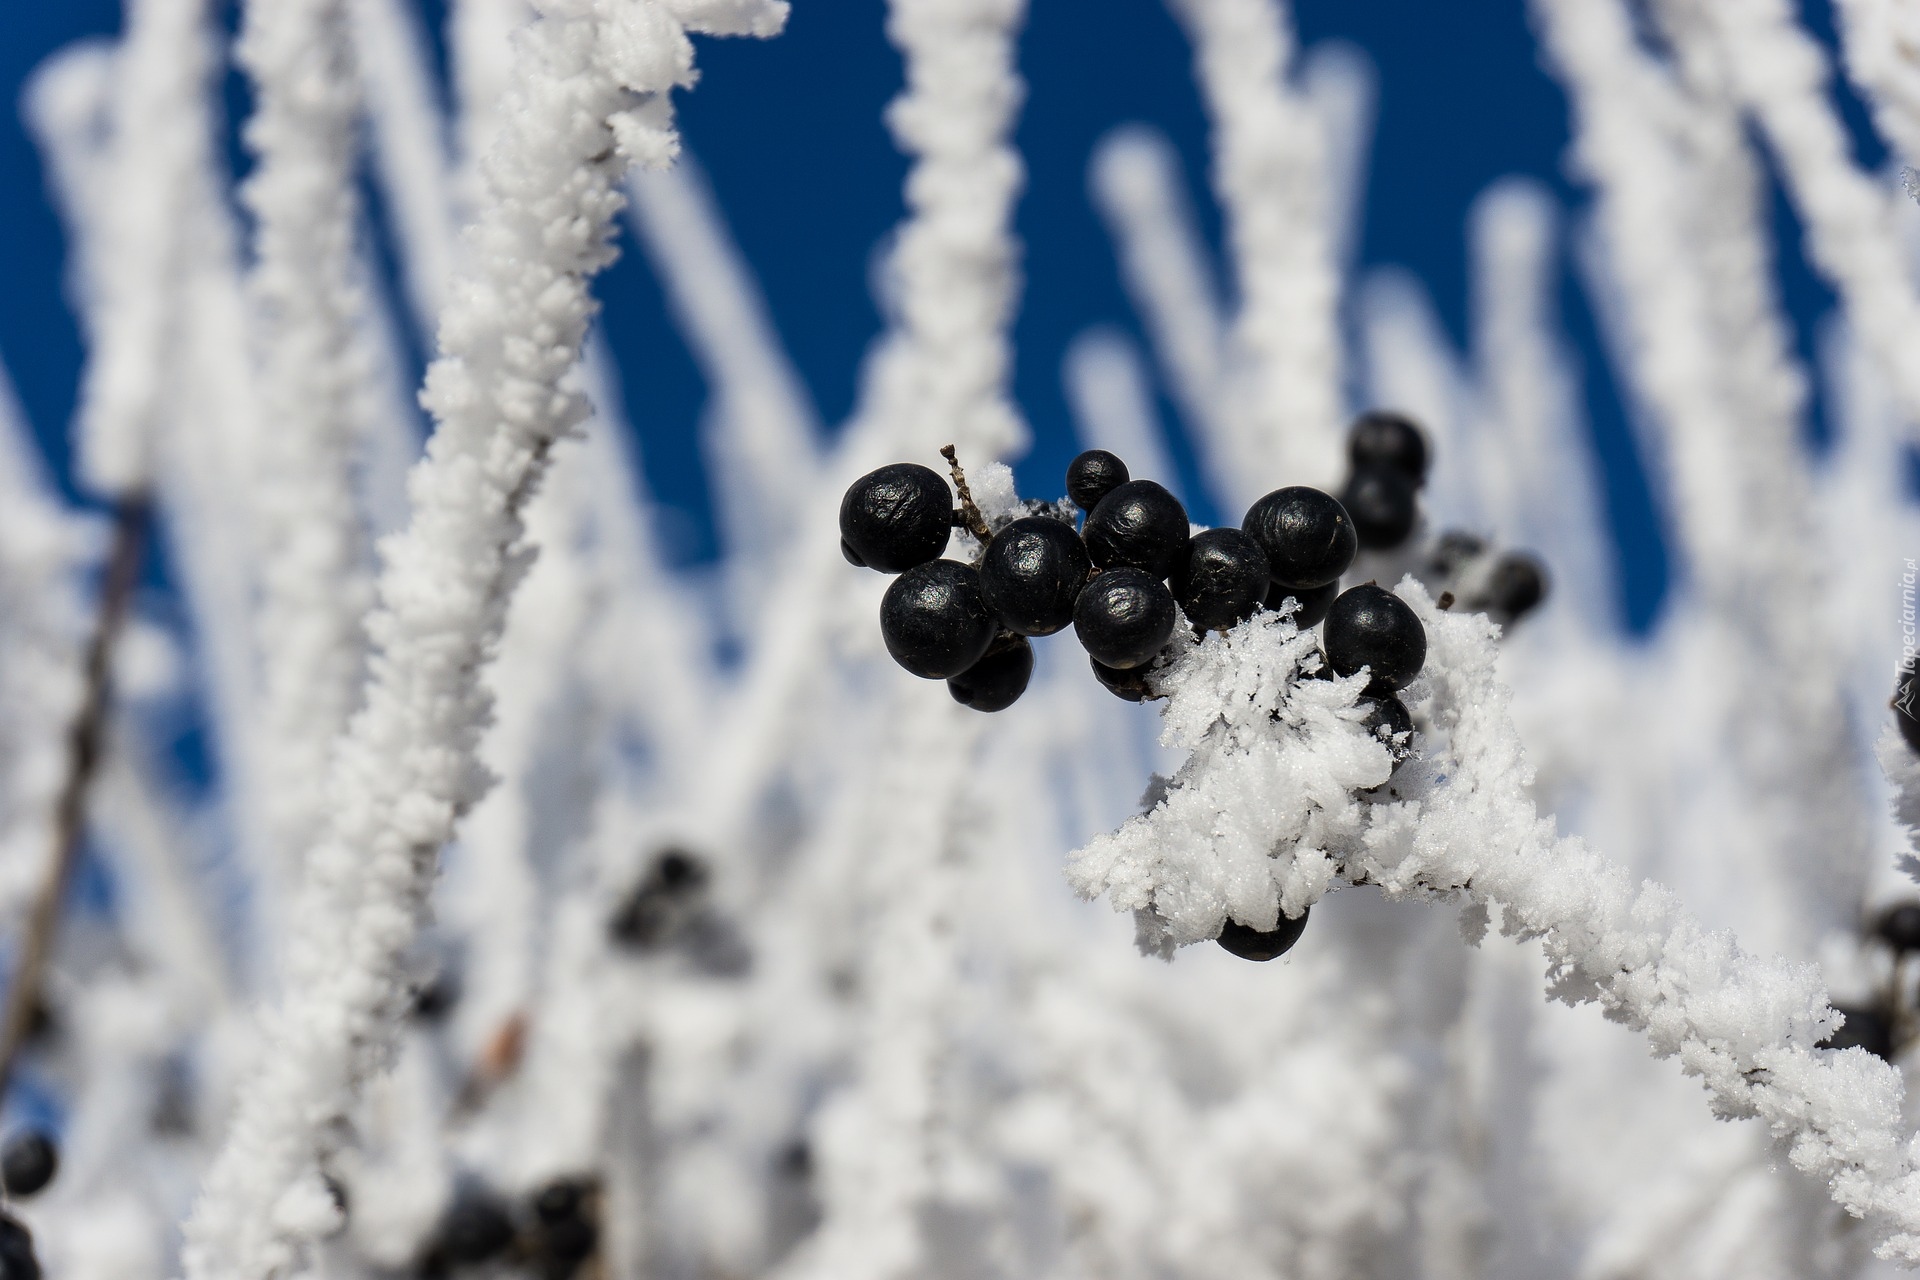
<point x="1285" y="403"/>
<point x="957" y="260"/>
<point x="590" y="95"/>
<point x="1881" y="42"/>
<point x="160" y="136"/>
<point x="1779" y="74"/>
<point x="763" y="439"/>
<point x="1465" y="825"/>
<point x="409" y="143"/>
<point x="1135" y="178"/>
<point x="314" y="576"/>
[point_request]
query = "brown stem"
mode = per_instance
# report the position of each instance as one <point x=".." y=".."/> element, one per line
<point x="976" y="523"/>
<point x="84" y="738"/>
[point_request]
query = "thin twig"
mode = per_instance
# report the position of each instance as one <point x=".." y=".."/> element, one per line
<point x="83" y="758"/>
<point x="976" y="523"/>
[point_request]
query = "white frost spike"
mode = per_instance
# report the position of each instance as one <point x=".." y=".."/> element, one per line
<point x="160" y="141"/>
<point x="956" y="258"/>
<point x="1270" y="169"/>
<point x="1251" y="824"/>
<point x="408" y="767"/>
<point x="762" y="434"/>
<point x="314" y="573"/>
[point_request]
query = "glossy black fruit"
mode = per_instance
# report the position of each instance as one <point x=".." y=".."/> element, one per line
<point x="1452" y="550"/>
<point x="559" y="1201"/>
<point x="1129" y="684"/>
<point x="1138" y="524"/>
<point x="1865" y="1028"/>
<point x="1252" y="944"/>
<point x="1382" y="439"/>
<point x="851" y="556"/>
<point x="1388" y="719"/>
<point x="996" y="681"/>
<point x="1383" y="505"/>
<point x="1224" y="580"/>
<point x="895" y="518"/>
<point x="17" y="1261"/>
<point x="1518" y="584"/>
<point x="28" y="1162"/>
<point x="660" y="908"/>
<point x="1314" y="601"/>
<point x="1899" y="927"/>
<point x="474" y="1228"/>
<point x="935" y="619"/>
<point x="1308" y="536"/>
<point x="1092" y="476"/>
<point x="1124" y="617"/>
<point x="1906" y="710"/>
<point x="1373" y="628"/>
<point x="1032" y="573"/>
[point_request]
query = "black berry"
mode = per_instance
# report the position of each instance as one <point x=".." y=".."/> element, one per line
<point x="28" y="1162"/>
<point x="474" y="1228"/>
<point x="1092" y="476"/>
<point x="1899" y="928"/>
<point x="1383" y="506"/>
<point x="1124" y="617"/>
<point x="851" y="556"/>
<point x="1388" y="719"/>
<point x="895" y="518"/>
<point x="1373" y="628"/>
<point x="1867" y="1029"/>
<point x="1253" y="944"/>
<point x="996" y="681"/>
<point x="1308" y="537"/>
<point x="558" y="1201"/>
<point x="1452" y="550"/>
<point x="435" y="998"/>
<point x="1223" y="581"/>
<point x="1032" y="573"/>
<point x="16" y="1250"/>
<point x="660" y="908"/>
<point x="1381" y="439"/>
<point x="1138" y="524"/>
<point x="1517" y="585"/>
<point x="935" y="619"/>
<point x="1130" y="684"/>
<point x="1314" y="601"/>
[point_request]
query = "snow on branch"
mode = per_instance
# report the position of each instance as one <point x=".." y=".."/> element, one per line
<point x="957" y="261"/>
<point x="591" y="95"/>
<point x="1459" y="822"/>
<point x="1779" y="75"/>
<point x="1270" y="169"/>
<point x="1881" y="42"/>
<point x="315" y="584"/>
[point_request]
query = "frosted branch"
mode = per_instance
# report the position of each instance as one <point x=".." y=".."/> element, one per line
<point x="1459" y="822"/>
<point x="315" y="583"/>
<point x="1285" y="405"/>
<point x="1135" y="178"/>
<point x="590" y="97"/>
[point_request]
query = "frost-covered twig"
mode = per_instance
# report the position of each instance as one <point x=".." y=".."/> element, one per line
<point x="590" y="96"/>
<point x="314" y="576"/>
<point x="86" y="738"/>
<point x="1284" y="402"/>
<point x="761" y="432"/>
<point x="1135" y="178"/>
<point x="1460" y="822"/>
<point x="1779" y="75"/>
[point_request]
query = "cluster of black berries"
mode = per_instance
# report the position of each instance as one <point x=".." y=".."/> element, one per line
<point x="551" y="1236"/>
<point x="1132" y="569"/>
<point x="1885" y="1025"/>
<point x="671" y="909"/>
<point x="1504" y="585"/>
<point x="28" y="1162"/>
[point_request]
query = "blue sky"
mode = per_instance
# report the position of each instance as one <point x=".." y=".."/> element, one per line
<point x="790" y="133"/>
